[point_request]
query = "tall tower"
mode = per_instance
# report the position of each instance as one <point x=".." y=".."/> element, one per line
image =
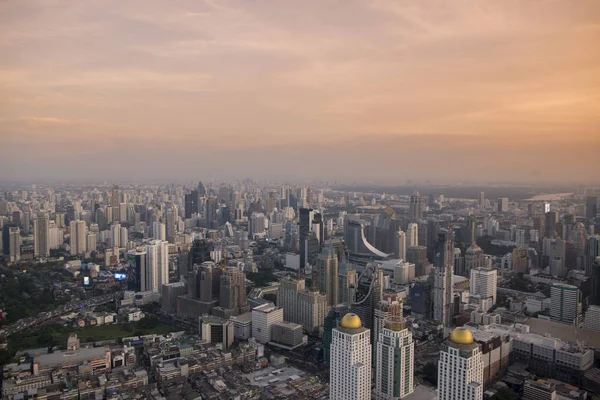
<point x="394" y="368"/>
<point x="484" y="283"/>
<point x="460" y="369"/>
<point x="78" y="231"/>
<point x="474" y="257"/>
<point x="400" y="245"/>
<point x="416" y="211"/>
<point x="41" y="228"/>
<point x="328" y="275"/>
<point x="565" y="304"/>
<point x="14" y="240"/>
<point x="412" y="235"/>
<point x="157" y="263"/>
<point x="115" y="203"/>
<point x="350" y="360"/>
<point x="481" y="201"/>
<point x="388" y="307"/>
<point x="444" y="279"/>
<point x="287" y="298"/>
<point x="233" y="291"/>
<point x="304" y="221"/>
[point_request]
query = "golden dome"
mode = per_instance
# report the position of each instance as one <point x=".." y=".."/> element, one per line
<point x="461" y="336"/>
<point x="351" y="321"/>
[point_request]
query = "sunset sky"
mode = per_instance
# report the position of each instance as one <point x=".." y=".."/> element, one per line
<point x="382" y="90"/>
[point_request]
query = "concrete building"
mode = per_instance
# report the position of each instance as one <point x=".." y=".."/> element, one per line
<point x="484" y="282"/>
<point x="287" y="335"/>
<point x="157" y="262"/>
<point x="565" y="303"/>
<point x="287" y="298"/>
<point x="263" y="318"/>
<point x="214" y="330"/>
<point x="242" y="326"/>
<point x="78" y="231"/>
<point x="592" y="319"/>
<point x="539" y="390"/>
<point x="41" y="233"/>
<point x="327" y="275"/>
<point x="400" y="245"/>
<point x="347" y="280"/>
<point x="170" y="292"/>
<point x="503" y="204"/>
<point x="14" y="243"/>
<point x="394" y="368"/>
<point x="350" y="360"/>
<point x="460" y="369"/>
<point x="312" y="309"/>
<point x="415" y="207"/>
<point x="443" y="281"/>
<point x="412" y="235"/>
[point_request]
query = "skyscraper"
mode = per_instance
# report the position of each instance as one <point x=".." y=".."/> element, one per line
<point x="287" y="298"/>
<point x="138" y="274"/>
<point x="388" y="307"/>
<point x="14" y="243"/>
<point x="312" y="308"/>
<point x="304" y="221"/>
<point x="233" y="292"/>
<point x="481" y="201"/>
<point x="328" y="275"/>
<point x="565" y="303"/>
<point x="191" y="203"/>
<point x="415" y="210"/>
<point x="41" y="232"/>
<point x="460" y="369"/>
<point x="394" y="368"/>
<point x="115" y="235"/>
<point x="551" y="221"/>
<point x="474" y="257"/>
<point x="412" y="235"/>
<point x="400" y="245"/>
<point x="348" y="280"/>
<point x="115" y="203"/>
<point x="444" y="278"/>
<point x="78" y="231"/>
<point x="157" y="263"/>
<point x="503" y="204"/>
<point x="350" y="360"/>
<point x="591" y="207"/>
<point x="484" y="283"/>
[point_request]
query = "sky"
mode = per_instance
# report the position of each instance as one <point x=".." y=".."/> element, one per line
<point x="365" y="91"/>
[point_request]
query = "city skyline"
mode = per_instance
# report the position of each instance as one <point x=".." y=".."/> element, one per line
<point x="470" y="90"/>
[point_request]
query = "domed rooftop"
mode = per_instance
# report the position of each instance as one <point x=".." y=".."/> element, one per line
<point x="351" y="321"/>
<point x="474" y="248"/>
<point x="461" y="336"/>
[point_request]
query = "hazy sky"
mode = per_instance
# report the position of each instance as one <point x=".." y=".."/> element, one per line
<point x="384" y="90"/>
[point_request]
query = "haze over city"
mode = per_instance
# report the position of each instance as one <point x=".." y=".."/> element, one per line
<point x="349" y="91"/>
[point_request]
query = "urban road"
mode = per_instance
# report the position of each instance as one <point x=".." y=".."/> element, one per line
<point x="31" y="322"/>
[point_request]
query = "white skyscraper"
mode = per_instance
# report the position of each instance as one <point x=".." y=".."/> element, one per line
<point x="460" y="369"/>
<point x="78" y="230"/>
<point x="444" y="279"/>
<point x="41" y="228"/>
<point x="123" y="237"/>
<point x="159" y="231"/>
<point x="91" y="241"/>
<point x="412" y="235"/>
<point x="565" y="305"/>
<point x="115" y="235"/>
<point x="394" y="371"/>
<point x="484" y="283"/>
<point x="400" y="245"/>
<point x="14" y="243"/>
<point x="350" y="360"/>
<point x="157" y="264"/>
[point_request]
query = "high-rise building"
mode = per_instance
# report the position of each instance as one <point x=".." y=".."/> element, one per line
<point x="327" y="276"/>
<point x="520" y="261"/>
<point x="348" y="280"/>
<point x="312" y="308"/>
<point x="503" y="204"/>
<point x="115" y="202"/>
<point x="170" y="292"/>
<point x="191" y="203"/>
<point x="394" y="368"/>
<point x="350" y="360"/>
<point x="91" y="241"/>
<point x="216" y="330"/>
<point x="138" y="274"/>
<point x="400" y="245"/>
<point x="460" y="369"/>
<point x="41" y="233"/>
<point x="539" y="390"/>
<point x="592" y="251"/>
<point x="159" y="231"/>
<point x="332" y="320"/>
<point x="481" y="201"/>
<point x="115" y="235"/>
<point x="565" y="304"/>
<point x="14" y="243"/>
<point x="557" y="267"/>
<point x="232" y="297"/>
<point x="474" y="257"/>
<point x="595" y="298"/>
<point x="26" y="222"/>
<point x="389" y="306"/>
<point x="123" y="238"/>
<point x="484" y="283"/>
<point x="171" y="222"/>
<point x="157" y="263"/>
<point x="415" y="208"/>
<point x="287" y="298"/>
<point x="444" y="279"/>
<point x="263" y="318"/>
<point x="551" y="221"/>
<point x="78" y="231"/>
<point x="591" y="207"/>
<point x="412" y="235"/>
<point x="304" y="225"/>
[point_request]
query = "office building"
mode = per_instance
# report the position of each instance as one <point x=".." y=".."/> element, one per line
<point x="14" y="243"/>
<point x="503" y="204"/>
<point x="115" y="235"/>
<point x="417" y="255"/>
<point x="394" y="368"/>
<point x="78" y="231"/>
<point x="91" y="241"/>
<point x="170" y="292"/>
<point x="115" y="202"/>
<point x="242" y="326"/>
<point x="287" y="335"/>
<point x="350" y="373"/>
<point x="551" y="221"/>
<point x="157" y="253"/>
<point x="287" y="298"/>
<point x="591" y="207"/>
<point x="412" y="235"/>
<point x="263" y="318"/>
<point x="214" y="330"/>
<point x="565" y="304"/>
<point x="332" y="320"/>
<point x="474" y="257"/>
<point x="327" y="275"/>
<point x="595" y="298"/>
<point x="232" y="296"/>
<point x="520" y="260"/>
<point x="460" y="368"/>
<point x="557" y="267"/>
<point x="415" y="207"/>
<point x="484" y="282"/>
<point x="41" y="233"/>
<point x="312" y="308"/>
<point x="539" y="390"/>
<point x="444" y="279"/>
<point x="304" y="224"/>
<point x="481" y="201"/>
<point x="138" y="275"/>
<point x="348" y="280"/>
<point x="390" y="306"/>
<point x="191" y="201"/>
<point x="159" y="231"/>
<point x="592" y="319"/>
<point x="400" y="245"/>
